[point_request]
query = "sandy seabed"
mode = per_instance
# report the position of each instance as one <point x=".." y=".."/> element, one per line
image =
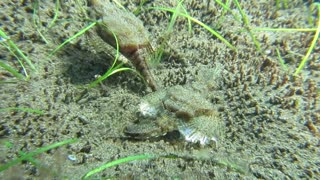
<point x="271" y="119"/>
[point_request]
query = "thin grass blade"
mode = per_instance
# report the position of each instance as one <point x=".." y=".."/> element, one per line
<point x="12" y="71"/>
<point x="313" y="44"/>
<point x="117" y="162"/>
<point x="29" y="110"/>
<point x="213" y="32"/>
<point x="15" y="47"/>
<point x="247" y="25"/>
<point x="82" y="31"/>
<point x="36" y="152"/>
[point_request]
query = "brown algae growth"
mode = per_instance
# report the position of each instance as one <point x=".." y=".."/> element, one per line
<point x="132" y="37"/>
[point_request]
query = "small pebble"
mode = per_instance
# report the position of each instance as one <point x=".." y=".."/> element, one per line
<point x="72" y="157"/>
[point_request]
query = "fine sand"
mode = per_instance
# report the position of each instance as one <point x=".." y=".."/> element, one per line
<point x="270" y="117"/>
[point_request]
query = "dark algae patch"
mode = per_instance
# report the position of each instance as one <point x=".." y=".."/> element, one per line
<point x="199" y="90"/>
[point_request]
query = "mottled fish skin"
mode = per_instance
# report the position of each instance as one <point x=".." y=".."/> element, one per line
<point x="132" y="37"/>
<point x="186" y="103"/>
<point x="143" y="130"/>
<point x="147" y="128"/>
<point x="180" y="108"/>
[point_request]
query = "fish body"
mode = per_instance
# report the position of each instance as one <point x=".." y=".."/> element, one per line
<point x="181" y="108"/>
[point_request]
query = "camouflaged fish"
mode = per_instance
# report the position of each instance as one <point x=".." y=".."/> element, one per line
<point x="182" y="108"/>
